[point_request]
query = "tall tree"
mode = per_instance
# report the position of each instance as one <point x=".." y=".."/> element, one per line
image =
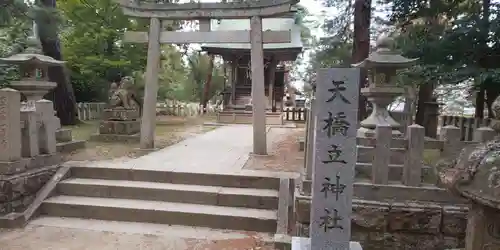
<point x="63" y="95"/>
<point x="361" y="43"/>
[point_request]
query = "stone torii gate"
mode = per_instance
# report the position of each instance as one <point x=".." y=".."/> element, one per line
<point x="204" y="12"/>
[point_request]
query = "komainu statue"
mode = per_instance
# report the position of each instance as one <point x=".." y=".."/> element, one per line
<point x="475" y="176"/>
<point x="124" y="96"/>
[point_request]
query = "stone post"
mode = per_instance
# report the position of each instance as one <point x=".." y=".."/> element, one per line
<point x="234" y="83"/>
<point x="450" y="135"/>
<point x="148" y="120"/>
<point x="484" y="134"/>
<point x="311" y="131"/>
<point x="432" y="116"/>
<point x="258" y="91"/>
<point x="10" y="120"/>
<point x="382" y="154"/>
<point x="47" y="132"/>
<point x="30" y="144"/>
<point x="412" y="171"/>
<point x="271" y="77"/>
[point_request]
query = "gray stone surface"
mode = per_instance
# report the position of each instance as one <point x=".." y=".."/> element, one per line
<point x="337" y="96"/>
<point x="299" y="243"/>
<point x="393" y="225"/>
<point x="10" y="118"/>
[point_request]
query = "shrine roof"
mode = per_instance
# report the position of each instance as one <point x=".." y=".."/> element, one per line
<point x="273" y="24"/>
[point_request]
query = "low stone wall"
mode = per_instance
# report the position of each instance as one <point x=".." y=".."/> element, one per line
<point x="17" y="191"/>
<point x="399" y="225"/>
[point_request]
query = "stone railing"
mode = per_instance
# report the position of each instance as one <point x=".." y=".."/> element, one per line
<point x="182" y="109"/>
<point x="396" y="199"/>
<point x="27" y="144"/>
<point x="88" y="111"/>
<point x="295" y="114"/>
<point x="467" y="125"/>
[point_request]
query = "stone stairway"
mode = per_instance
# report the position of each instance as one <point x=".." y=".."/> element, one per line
<point x="65" y="142"/>
<point x="218" y="201"/>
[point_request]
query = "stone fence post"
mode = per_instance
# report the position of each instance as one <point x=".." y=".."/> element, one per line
<point x="47" y="131"/>
<point x="412" y="170"/>
<point x="450" y="135"/>
<point x="29" y="136"/>
<point x="484" y="134"/>
<point x="310" y="147"/>
<point x="10" y="129"/>
<point x="382" y="154"/>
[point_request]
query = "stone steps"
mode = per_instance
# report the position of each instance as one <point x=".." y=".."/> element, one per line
<point x="194" y="194"/>
<point x="186" y="214"/>
<point x="219" y="201"/>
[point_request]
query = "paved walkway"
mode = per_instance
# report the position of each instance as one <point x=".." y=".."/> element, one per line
<point x="225" y="149"/>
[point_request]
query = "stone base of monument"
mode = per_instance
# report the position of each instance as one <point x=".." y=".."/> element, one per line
<point x="121" y="114"/>
<point x="136" y="138"/>
<point x="301" y="243"/>
<point x="120" y="127"/>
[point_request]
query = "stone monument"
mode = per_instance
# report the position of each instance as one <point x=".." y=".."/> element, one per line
<point x="475" y="175"/>
<point x="382" y="66"/>
<point x="121" y="119"/>
<point x="335" y="158"/>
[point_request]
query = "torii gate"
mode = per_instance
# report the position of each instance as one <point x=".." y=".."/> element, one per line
<point x="204" y="12"/>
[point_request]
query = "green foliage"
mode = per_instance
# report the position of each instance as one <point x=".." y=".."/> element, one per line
<point x="93" y="48"/>
<point x="199" y="67"/>
<point x="12" y="40"/>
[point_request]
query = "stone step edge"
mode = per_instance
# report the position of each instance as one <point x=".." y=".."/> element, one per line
<point x="264" y="214"/>
<point x="159" y="212"/>
<point x="268" y="193"/>
<point x="168" y="192"/>
<point x="246" y="178"/>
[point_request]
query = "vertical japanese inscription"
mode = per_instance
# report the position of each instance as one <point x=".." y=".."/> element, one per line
<point x="3" y="123"/>
<point x="337" y="96"/>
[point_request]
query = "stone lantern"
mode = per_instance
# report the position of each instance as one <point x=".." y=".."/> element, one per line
<point x="475" y="175"/>
<point x="34" y="82"/>
<point x="382" y="66"/>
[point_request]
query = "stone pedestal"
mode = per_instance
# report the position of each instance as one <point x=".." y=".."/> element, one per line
<point x="380" y="97"/>
<point x="300" y="243"/>
<point x="119" y="124"/>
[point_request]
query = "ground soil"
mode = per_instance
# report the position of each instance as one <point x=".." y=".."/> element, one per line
<point x="284" y="154"/>
<point x="55" y="238"/>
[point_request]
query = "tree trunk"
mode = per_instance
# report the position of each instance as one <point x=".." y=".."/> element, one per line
<point x="483" y="57"/>
<point x="206" y="89"/>
<point x="361" y="44"/>
<point x="480" y="98"/>
<point x="424" y="95"/>
<point x="63" y="95"/>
